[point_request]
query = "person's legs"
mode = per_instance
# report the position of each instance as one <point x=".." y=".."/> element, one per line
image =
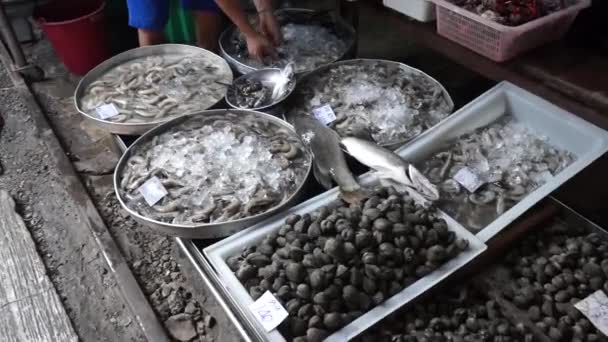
<point x="208" y="22"/>
<point x="150" y="18"/>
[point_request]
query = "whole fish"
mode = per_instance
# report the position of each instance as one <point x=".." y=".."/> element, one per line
<point x="329" y="162"/>
<point x="389" y="167"/>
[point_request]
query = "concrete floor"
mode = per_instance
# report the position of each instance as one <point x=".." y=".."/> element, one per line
<point x="82" y="278"/>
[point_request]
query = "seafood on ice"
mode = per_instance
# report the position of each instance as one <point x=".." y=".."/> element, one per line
<point x="215" y="168"/>
<point x="307" y="44"/>
<point x="156" y="88"/>
<point x="384" y="101"/>
<point x="485" y="173"/>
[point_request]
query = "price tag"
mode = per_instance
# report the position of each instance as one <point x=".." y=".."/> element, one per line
<point x="268" y="311"/>
<point x="595" y="307"/>
<point x="153" y="191"/>
<point x="324" y="114"/>
<point x="468" y="179"/>
<point x="106" y="111"/>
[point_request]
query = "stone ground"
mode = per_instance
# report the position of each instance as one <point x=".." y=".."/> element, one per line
<point x="74" y="264"/>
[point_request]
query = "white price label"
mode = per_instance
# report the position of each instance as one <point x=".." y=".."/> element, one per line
<point x="468" y="179"/>
<point x="595" y="307"/>
<point x="324" y="114"/>
<point x="268" y="311"/>
<point x="153" y="191"/>
<point x="106" y="111"/>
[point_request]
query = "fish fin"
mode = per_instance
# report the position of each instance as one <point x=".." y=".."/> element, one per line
<point x="324" y="179"/>
<point x="354" y="197"/>
<point x="422" y="184"/>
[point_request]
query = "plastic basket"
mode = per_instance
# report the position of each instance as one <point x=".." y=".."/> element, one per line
<point x="499" y="42"/>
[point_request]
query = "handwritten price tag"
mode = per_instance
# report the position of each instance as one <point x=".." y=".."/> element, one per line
<point x="324" y="114"/>
<point x="153" y="191"/>
<point x="595" y="307"/>
<point x="106" y="111"/>
<point x="268" y="311"/>
<point x="468" y="179"/>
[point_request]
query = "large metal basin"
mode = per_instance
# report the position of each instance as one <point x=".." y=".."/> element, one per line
<point x="206" y="230"/>
<point x="157" y="50"/>
<point x="343" y="29"/>
<point x="293" y="101"/>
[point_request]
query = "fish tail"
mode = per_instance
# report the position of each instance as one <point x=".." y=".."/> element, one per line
<point x="355" y="196"/>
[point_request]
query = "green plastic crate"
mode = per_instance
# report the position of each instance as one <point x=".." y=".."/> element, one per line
<point x="180" y="26"/>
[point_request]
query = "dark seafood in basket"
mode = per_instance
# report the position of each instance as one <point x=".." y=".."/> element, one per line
<point x="513" y="12"/>
<point x="216" y="168"/>
<point x="331" y="266"/>
<point x="380" y="100"/>
<point x="549" y="272"/>
<point x="460" y="314"/>
<point x="485" y="173"/>
<point x="156" y="88"/>
<point x="309" y="41"/>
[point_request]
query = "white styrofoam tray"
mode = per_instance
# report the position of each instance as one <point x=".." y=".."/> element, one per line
<point x="563" y="129"/>
<point x="421" y="10"/>
<point x="220" y="251"/>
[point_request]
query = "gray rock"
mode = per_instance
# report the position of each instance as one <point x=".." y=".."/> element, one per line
<point x="180" y="327"/>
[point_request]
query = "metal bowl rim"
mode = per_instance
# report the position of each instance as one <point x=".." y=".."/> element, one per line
<point x="274" y="103"/>
<point x="169" y="124"/>
<point x="244" y="67"/>
<point x="324" y="68"/>
<point x="101" y="68"/>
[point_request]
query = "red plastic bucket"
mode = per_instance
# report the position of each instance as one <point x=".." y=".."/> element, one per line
<point x="76" y="29"/>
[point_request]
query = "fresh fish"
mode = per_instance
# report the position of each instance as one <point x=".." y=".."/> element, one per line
<point x="329" y="161"/>
<point x="389" y="166"/>
<point x="285" y="78"/>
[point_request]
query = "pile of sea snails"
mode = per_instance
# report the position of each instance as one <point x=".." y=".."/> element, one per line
<point x="377" y="100"/>
<point x="508" y="158"/>
<point x="216" y="168"/>
<point x="155" y="88"/>
<point x="552" y="270"/>
<point x="450" y="315"/>
<point x="331" y="266"/>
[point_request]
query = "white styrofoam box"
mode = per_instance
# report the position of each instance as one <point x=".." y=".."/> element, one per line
<point x="421" y="10"/>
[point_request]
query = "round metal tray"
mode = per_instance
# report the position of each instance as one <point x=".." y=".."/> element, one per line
<point x="344" y="30"/>
<point x="292" y="100"/>
<point x="156" y="50"/>
<point x="207" y="230"/>
<point x="266" y="77"/>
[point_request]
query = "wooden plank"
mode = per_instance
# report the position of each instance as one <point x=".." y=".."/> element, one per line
<point x="30" y="309"/>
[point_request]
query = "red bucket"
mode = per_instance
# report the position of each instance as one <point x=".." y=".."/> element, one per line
<point x="77" y="31"/>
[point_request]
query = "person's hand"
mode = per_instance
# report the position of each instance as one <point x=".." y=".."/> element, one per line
<point x="260" y="47"/>
<point x="270" y="27"/>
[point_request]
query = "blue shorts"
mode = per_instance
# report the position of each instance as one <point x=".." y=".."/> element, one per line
<point x="153" y="14"/>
